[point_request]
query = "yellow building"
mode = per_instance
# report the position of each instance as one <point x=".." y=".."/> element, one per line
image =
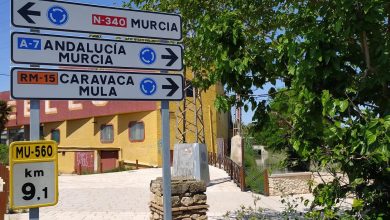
<point x="95" y="135"/>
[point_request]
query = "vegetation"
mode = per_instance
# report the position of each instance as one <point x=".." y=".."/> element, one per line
<point x="4" y="113"/>
<point x="257" y="213"/>
<point x="274" y="132"/>
<point x="333" y="57"/>
<point x="254" y="175"/>
<point x="4" y="154"/>
<point x="5" y="110"/>
<point x="247" y="213"/>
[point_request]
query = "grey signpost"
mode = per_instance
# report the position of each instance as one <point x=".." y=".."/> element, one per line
<point x="39" y="49"/>
<point x="35" y="129"/>
<point x="34" y="135"/>
<point x="166" y="160"/>
<point x="166" y="147"/>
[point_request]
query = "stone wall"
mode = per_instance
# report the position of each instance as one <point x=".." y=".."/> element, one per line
<point x="324" y="177"/>
<point x="189" y="200"/>
<point x="299" y="183"/>
<point x="289" y="183"/>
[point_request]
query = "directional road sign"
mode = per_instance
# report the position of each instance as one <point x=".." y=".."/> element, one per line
<point x="56" y="84"/>
<point x="76" y="17"/>
<point x="76" y="51"/>
<point x="33" y="174"/>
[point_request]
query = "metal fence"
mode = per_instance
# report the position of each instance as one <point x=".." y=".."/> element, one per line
<point x="4" y="174"/>
<point x="235" y="171"/>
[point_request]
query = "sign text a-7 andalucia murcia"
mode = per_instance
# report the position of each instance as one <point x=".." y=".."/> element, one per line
<point x="46" y="49"/>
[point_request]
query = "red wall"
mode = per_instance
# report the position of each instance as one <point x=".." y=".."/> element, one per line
<point x="88" y="110"/>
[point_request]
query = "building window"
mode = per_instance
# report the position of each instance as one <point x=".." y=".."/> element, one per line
<point x="55" y="135"/>
<point x="106" y="134"/>
<point x="41" y="134"/>
<point x="3" y="137"/>
<point x="16" y="135"/>
<point x="136" y="131"/>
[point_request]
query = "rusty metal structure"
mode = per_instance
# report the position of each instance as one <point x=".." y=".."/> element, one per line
<point x="237" y="125"/>
<point x="4" y="194"/>
<point x="189" y="114"/>
<point x="237" y="130"/>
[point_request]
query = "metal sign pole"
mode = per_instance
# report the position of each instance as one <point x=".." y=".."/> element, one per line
<point x="166" y="160"/>
<point x="35" y="128"/>
<point x="34" y="135"/>
<point x="165" y="121"/>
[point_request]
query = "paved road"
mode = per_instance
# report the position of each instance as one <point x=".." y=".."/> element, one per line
<point x="125" y="195"/>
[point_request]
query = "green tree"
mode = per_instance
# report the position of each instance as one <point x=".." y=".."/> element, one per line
<point x="275" y="130"/>
<point x="335" y="57"/>
<point x="5" y="110"/>
<point x="4" y="113"/>
<point x="4" y="154"/>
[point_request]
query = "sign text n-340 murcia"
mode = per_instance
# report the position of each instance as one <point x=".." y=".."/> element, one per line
<point x="76" y="17"/>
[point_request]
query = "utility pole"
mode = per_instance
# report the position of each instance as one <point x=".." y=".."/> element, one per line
<point x="189" y="115"/>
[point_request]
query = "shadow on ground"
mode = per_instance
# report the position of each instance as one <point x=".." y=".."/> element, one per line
<point x="219" y="181"/>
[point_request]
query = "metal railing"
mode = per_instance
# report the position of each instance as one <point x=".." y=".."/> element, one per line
<point x="235" y="171"/>
<point x="4" y="174"/>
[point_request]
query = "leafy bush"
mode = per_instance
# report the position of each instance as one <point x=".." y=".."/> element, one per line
<point x="254" y="178"/>
<point x="3" y="154"/>
<point x="256" y="212"/>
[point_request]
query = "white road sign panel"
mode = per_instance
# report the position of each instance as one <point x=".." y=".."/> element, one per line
<point x="33" y="183"/>
<point x="76" y="51"/>
<point x="76" y="17"/>
<point x="56" y="84"/>
<point x="34" y="174"/>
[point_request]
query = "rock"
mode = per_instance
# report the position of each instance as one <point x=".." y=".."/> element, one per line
<point x="195" y="216"/>
<point x="179" y="188"/>
<point x="187" y="201"/>
<point x="200" y="198"/>
<point x="197" y="187"/>
<point x="175" y="201"/>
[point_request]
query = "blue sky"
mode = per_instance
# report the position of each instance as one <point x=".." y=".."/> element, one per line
<point x="5" y="45"/>
<point x="5" y="31"/>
